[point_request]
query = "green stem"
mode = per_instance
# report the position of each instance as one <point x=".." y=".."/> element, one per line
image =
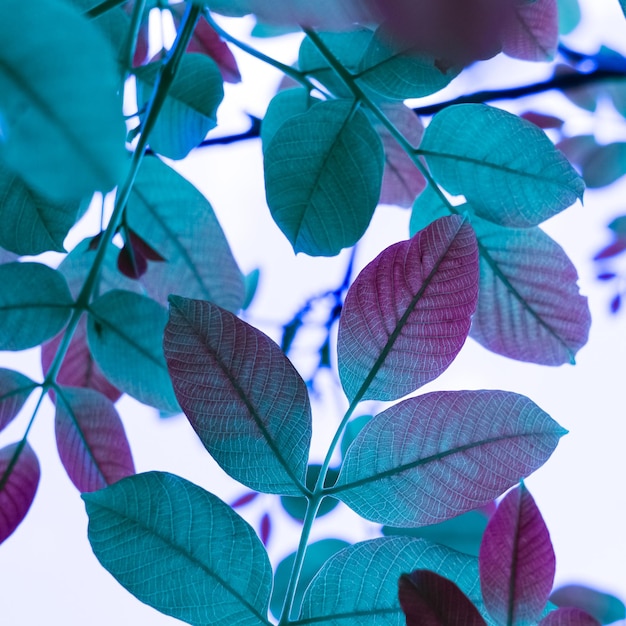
<point x="103" y="7"/>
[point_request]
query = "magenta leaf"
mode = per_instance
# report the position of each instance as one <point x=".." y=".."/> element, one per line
<point x="91" y="440"/>
<point x="605" y="607"/>
<point x="265" y="528"/>
<point x="569" y="616"/>
<point x="18" y="485"/>
<point x="407" y="314"/>
<point x="431" y="457"/>
<point x="516" y="561"/>
<point x="429" y="599"/>
<point x="245" y="499"/>
<point x="78" y="368"/>
<point x="241" y="394"/>
<point x="14" y="391"/>
<point x="532" y="33"/>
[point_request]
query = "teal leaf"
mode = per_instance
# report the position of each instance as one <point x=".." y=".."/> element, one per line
<point x="181" y="550"/>
<point x="569" y="16"/>
<point x="251" y="284"/>
<point x="428" y="207"/>
<point x="31" y="224"/>
<point x="190" y="110"/>
<point x="604" y="607"/>
<point x="175" y="219"/>
<point x="59" y="86"/>
<point x="353" y="428"/>
<point x="604" y="164"/>
<point x="241" y="394"/>
<point x="445" y="453"/>
<point x="14" y="391"/>
<point x="323" y="173"/>
<point x="125" y="333"/>
<point x="358" y="586"/>
<point x="35" y="304"/>
<point x="407" y="314"/>
<point x="513" y="176"/>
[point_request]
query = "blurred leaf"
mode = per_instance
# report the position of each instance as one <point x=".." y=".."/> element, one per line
<point x="251" y="284"/>
<point x="445" y="453"/>
<point x="189" y="111"/>
<point x="14" y="391"/>
<point x="542" y="120"/>
<point x="90" y="439"/>
<point x="616" y="303"/>
<point x="35" y="304"/>
<point x="513" y="176"/>
<point x="323" y="173"/>
<point x="569" y="15"/>
<point x="177" y="221"/>
<point x="568" y="616"/>
<point x="17" y="490"/>
<point x="605" y="164"/>
<point x="533" y="34"/>
<point x="623" y="5"/>
<point x="428" y="599"/>
<point x="604" y="607"/>
<point x="618" y="226"/>
<point x="353" y="428"/>
<point x="316" y="555"/>
<point x="407" y="314"/>
<point x="181" y="550"/>
<point x="296" y="507"/>
<point x="516" y="560"/>
<point x="265" y="529"/>
<point x="51" y="102"/>
<point x="613" y="249"/>
<point x="241" y="394"/>
<point x="125" y="333"/>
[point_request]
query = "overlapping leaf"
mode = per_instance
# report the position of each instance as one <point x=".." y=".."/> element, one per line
<point x="181" y="550"/>
<point x="434" y="456"/>
<point x="569" y="616"/>
<point x="51" y="102"/>
<point x="533" y="33"/>
<point x="323" y="173"/>
<point x="91" y="440"/>
<point x="173" y="217"/>
<point x="605" y="607"/>
<point x="35" y="304"/>
<point x="241" y="394"/>
<point x="17" y="488"/>
<point x="407" y="314"/>
<point x="14" y="391"/>
<point x="512" y="176"/>
<point x="125" y="332"/>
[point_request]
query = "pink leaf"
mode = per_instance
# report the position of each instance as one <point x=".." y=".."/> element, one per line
<point x="245" y="499"/>
<point x="542" y="120"/>
<point x="266" y="528"/>
<point x="14" y="391"/>
<point x="17" y="489"/>
<point x="429" y="599"/>
<point x="532" y="33"/>
<point x="613" y="249"/>
<point x="78" y="368"/>
<point x="516" y="561"/>
<point x="408" y="312"/>
<point x="569" y="616"/>
<point x="91" y="440"/>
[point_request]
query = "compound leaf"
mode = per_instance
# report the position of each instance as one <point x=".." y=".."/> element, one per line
<point x="14" y="391"/>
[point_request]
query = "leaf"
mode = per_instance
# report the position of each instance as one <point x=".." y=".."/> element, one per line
<point x="323" y="172"/>
<point x="622" y="3"/>
<point x="428" y="599"/>
<point x="90" y="439"/>
<point x="533" y="33"/>
<point x="181" y="550"/>
<point x="407" y="314"/>
<point x="513" y="176"/>
<point x="189" y="111"/>
<point x="353" y="428"/>
<point x="358" y="586"/>
<point x="445" y="453"/>
<point x="35" y="304"/>
<point x="604" y="607"/>
<point x="175" y="219"/>
<point x="569" y="616"/>
<point x="516" y="561"/>
<point x="316" y="555"/>
<point x="569" y="16"/>
<point x="124" y="332"/>
<point x="296" y="506"/>
<point x="241" y="394"/>
<point x="14" y="391"/>
<point x="18" y="488"/>
<point x="51" y="102"/>
<point x="604" y="165"/>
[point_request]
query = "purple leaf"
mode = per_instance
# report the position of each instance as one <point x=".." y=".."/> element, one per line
<point x="604" y="607"/>
<point x="613" y="249"/>
<point x="241" y="394"/>
<point x="143" y="248"/>
<point x="606" y="276"/>
<point x="533" y="32"/>
<point x="434" y="456"/>
<point x="407" y="314"/>
<point x="266" y="528"/>
<point x="616" y="303"/>
<point x="78" y="368"/>
<point x="569" y="616"/>
<point x="14" y="391"/>
<point x="130" y="263"/>
<point x="516" y="561"/>
<point x="91" y="440"/>
<point x="245" y="499"/>
<point x="17" y="489"/>
<point x="429" y="599"/>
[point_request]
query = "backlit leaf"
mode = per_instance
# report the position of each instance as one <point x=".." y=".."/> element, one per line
<point x="90" y="439"/>
<point x="604" y="607"/>
<point x="241" y="394"/>
<point x="190" y="110"/>
<point x="533" y="33"/>
<point x="516" y="561"/>
<point x="428" y="599"/>
<point x="444" y="453"/>
<point x="175" y="219"/>
<point x="14" y="391"/>
<point x="17" y="489"/>
<point x="51" y="102"/>
<point x="35" y="304"/>
<point x="181" y="550"/>
<point x="125" y="333"/>
<point x="569" y="616"/>
<point x="569" y="15"/>
<point x="513" y="176"/>
<point x="323" y="173"/>
<point x="407" y="314"/>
